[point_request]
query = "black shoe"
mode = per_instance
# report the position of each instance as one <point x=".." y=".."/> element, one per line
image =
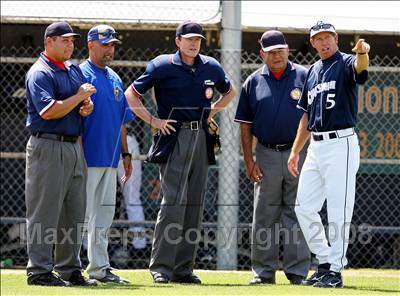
<point x="330" y="280"/>
<point x="187" y="279"/>
<point x="160" y="278"/>
<point x="315" y="278"/>
<point x="111" y="278"/>
<point x="77" y="279"/>
<point x="47" y="279"/>
<point x="295" y="279"/>
<point x="258" y="280"/>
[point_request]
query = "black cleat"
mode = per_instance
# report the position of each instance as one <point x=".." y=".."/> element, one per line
<point x="77" y="279"/>
<point x="47" y="279"/>
<point x="188" y="279"/>
<point x="160" y="278"/>
<point x="111" y="278"/>
<point x="295" y="279"/>
<point x="330" y="280"/>
<point x="315" y="278"/>
<point x="258" y="280"/>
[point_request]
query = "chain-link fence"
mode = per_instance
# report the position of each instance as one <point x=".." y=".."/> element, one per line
<point x="375" y="237"/>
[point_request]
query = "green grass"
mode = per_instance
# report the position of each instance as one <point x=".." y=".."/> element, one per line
<point x="357" y="282"/>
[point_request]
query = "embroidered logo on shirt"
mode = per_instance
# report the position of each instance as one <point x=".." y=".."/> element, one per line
<point x="116" y="94"/>
<point x="209" y="92"/>
<point x="295" y="94"/>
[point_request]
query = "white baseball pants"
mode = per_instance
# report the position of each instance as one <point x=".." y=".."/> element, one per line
<point x="328" y="173"/>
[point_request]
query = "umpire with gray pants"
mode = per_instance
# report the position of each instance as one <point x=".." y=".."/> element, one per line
<point x="184" y="85"/>
<point x="55" y="192"/>
<point x="267" y="110"/>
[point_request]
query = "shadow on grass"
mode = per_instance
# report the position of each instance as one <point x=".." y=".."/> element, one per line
<point x="371" y="289"/>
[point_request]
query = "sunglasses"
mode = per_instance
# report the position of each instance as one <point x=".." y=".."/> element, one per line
<point x="108" y="34"/>
<point x="321" y="26"/>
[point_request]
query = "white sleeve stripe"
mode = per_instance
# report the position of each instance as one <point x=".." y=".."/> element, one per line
<point x="135" y="90"/>
<point x="239" y="120"/>
<point x="299" y="107"/>
<point x="49" y="105"/>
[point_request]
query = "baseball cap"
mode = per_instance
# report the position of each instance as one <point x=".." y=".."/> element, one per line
<point x="189" y="29"/>
<point x="271" y="40"/>
<point x="103" y="34"/>
<point x="62" y="29"/>
<point x="321" y="26"/>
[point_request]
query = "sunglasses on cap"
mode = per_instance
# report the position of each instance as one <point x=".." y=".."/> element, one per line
<point x="321" y="26"/>
<point x="108" y="34"/>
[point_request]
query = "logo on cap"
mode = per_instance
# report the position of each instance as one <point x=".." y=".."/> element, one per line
<point x="321" y="26"/>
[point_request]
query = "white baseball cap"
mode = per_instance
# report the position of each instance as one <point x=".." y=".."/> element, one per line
<point x="321" y="26"/>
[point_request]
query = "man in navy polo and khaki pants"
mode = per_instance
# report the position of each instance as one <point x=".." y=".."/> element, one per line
<point x="55" y="193"/>
<point x="184" y="85"/>
<point x="267" y="110"/>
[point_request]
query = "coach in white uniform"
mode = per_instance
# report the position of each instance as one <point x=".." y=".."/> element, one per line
<point x="329" y="100"/>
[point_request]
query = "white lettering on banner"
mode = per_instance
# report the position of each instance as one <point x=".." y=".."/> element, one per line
<point x="324" y="86"/>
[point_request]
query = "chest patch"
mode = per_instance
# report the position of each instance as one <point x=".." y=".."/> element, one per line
<point x="209" y="93"/>
<point x="116" y="94"/>
<point x="295" y="94"/>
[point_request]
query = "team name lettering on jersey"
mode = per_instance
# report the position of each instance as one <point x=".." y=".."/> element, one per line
<point x="324" y="86"/>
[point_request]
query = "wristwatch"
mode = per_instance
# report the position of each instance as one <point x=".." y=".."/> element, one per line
<point x="125" y="154"/>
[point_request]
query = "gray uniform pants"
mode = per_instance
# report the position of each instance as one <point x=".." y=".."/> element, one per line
<point x="183" y="180"/>
<point x="274" y="212"/>
<point x="55" y="197"/>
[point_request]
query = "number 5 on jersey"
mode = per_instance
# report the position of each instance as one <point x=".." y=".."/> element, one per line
<point x="330" y="102"/>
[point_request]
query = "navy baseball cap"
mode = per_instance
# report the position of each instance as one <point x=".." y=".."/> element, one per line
<point x="321" y="26"/>
<point x="62" y="29"/>
<point x="271" y="40"/>
<point x="103" y="34"/>
<point x="189" y="29"/>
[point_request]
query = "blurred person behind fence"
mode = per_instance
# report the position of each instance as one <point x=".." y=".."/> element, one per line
<point x="131" y="192"/>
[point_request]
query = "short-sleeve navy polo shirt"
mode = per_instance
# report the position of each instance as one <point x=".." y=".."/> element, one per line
<point x="183" y="93"/>
<point x="269" y="104"/>
<point x="47" y="83"/>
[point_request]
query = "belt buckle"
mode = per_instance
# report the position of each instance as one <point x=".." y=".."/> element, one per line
<point x="194" y="125"/>
<point x="62" y="139"/>
<point x="279" y="145"/>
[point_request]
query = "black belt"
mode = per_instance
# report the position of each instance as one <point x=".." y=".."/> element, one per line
<point x="193" y="125"/>
<point x="56" y="137"/>
<point x="278" y="147"/>
<point x="331" y="135"/>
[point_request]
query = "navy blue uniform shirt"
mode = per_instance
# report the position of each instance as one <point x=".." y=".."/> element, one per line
<point x="330" y="93"/>
<point x="182" y="93"/>
<point x="269" y="104"/>
<point x="45" y="83"/>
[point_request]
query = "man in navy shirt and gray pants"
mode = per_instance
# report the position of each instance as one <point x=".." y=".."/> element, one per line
<point x="267" y="110"/>
<point x="55" y="192"/>
<point x="329" y="100"/>
<point x="184" y="85"/>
